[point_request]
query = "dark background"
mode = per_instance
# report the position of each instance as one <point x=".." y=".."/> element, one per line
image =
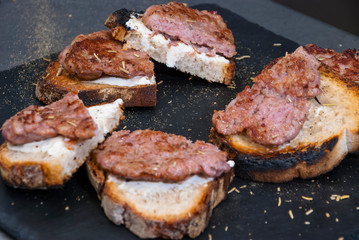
<point x="32" y="29"/>
<point x="342" y="14"/>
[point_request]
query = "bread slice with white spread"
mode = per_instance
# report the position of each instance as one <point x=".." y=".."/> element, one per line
<point x="50" y="162"/>
<point x="329" y="133"/>
<point x="101" y="70"/>
<point x="148" y="205"/>
<point x="192" y="41"/>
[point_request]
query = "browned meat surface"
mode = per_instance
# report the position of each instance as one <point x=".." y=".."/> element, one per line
<point x="345" y="64"/>
<point x="91" y="56"/>
<point x="158" y="156"/>
<point x="275" y="108"/>
<point x="202" y="29"/>
<point x="67" y="117"/>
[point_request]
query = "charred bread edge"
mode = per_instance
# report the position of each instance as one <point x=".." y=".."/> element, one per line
<point x="278" y="160"/>
<point x="306" y="162"/>
<point x="120" y="17"/>
<point x="117" y="23"/>
<point x="149" y="228"/>
<point x="33" y="175"/>
<point x="48" y="91"/>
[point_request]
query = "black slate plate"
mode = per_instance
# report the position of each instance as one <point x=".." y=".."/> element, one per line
<point x="185" y="107"/>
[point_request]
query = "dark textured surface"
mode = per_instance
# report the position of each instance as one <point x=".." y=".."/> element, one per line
<point x="345" y="10"/>
<point x="185" y="107"/>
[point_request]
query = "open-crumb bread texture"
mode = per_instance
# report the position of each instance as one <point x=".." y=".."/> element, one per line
<point x="158" y="209"/>
<point x="51" y="162"/>
<point x="53" y="86"/>
<point x="329" y="134"/>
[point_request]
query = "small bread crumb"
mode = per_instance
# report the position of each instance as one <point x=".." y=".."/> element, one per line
<point x="327" y="215"/>
<point x="306" y="222"/>
<point x="279" y="201"/>
<point x="277" y="44"/>
<point x="67" y="208"/>
<point x="291" y="214"/>
<point x="307" y="198"/>
<point x="344" y="197"/>
<point x="233" y="189"/>
<point x="309" y="212"/>
<point x="242" y="57"/>
<point x="209" y="236"/>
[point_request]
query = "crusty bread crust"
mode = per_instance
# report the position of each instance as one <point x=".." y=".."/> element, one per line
<point x="41" y="169"/>
<point x="329" y="134"/>
<point x="122" y="210"/>
<point x="31" y="172"/>
<point x="52" y="87"/>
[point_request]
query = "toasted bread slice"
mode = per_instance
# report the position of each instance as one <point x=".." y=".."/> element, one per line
<point x="56" y="83"/>
<point x="179" y="55"/>
<point x="51" y="162"/>
<point x="329" y="134"/>
<point x="158" y="209"/>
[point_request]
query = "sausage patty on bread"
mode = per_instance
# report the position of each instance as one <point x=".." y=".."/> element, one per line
<point x="91" y="56"/>
<point x="189" y="180"/>
<point x="192" y="41"/>
<point x="329" y="131"/>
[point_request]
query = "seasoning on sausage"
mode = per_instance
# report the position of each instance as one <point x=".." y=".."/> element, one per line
<point x="91" y="56"/>
<point x="67" y="117"/>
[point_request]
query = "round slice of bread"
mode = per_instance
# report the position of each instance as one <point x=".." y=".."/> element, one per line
<point x="52" y="161"/>
<point x="158" y="209"/>
<point x="55" y="84"/>
<point x="328" y="135"/>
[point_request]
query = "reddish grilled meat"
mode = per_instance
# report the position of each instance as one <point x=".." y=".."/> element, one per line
<point x="204" y="30"/>
<point x="67" y="117"/>
<point x="274" y="110"/>
<point x="157" y="156"/>
<point x="345" y="64"/>
<point x="91" y="56"/>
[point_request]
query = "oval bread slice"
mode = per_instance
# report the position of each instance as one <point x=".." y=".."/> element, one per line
<point x="329" y="134"/>
<point x="158" y="209"/>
